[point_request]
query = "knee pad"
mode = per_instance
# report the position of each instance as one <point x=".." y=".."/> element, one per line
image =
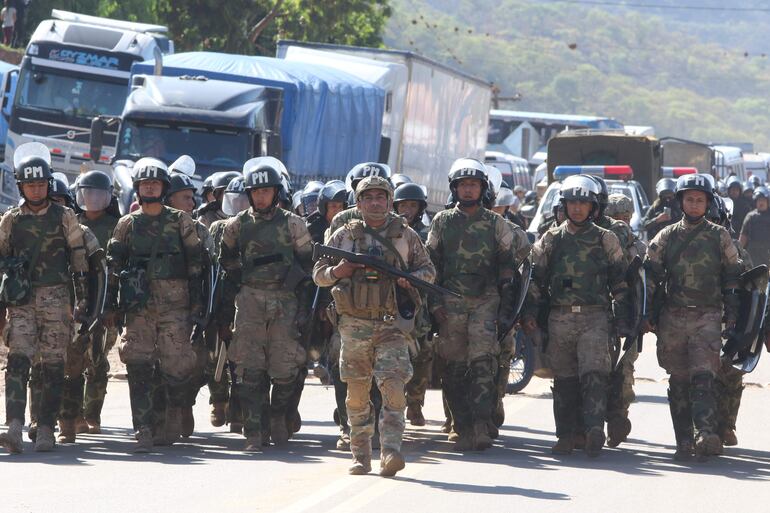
<point x="18" y="365"/>
<point x="393" y="393"/>
<point x="358" y="393"/>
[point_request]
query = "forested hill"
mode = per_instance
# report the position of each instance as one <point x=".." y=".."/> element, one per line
<point x="693" y="73"/>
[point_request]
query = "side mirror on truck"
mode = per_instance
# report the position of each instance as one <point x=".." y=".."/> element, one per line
<point x="96" y="141"/>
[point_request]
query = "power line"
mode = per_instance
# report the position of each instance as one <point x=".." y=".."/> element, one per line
<point x="663" y="6"/>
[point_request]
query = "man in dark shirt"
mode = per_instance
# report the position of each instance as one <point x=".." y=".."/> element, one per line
<point x="755" y="233"/>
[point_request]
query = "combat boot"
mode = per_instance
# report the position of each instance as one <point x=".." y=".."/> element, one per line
<point x="391" y="462"/>
<point x="446" y="427"/>
<point x="218" y="415"/>
<point x="594" y="400"/>
<point x="707" y="442"/>
<point x="81" y="425"/>
<point x="566" y="397"/>
<point x="362" y="460"/>
<point x="579" y="441"/>
<point x="414" y="414"/>
<point x="173" y="431"/>
<point x="188" y="421"/>
<point x="681" y="418"/>
<point x="45" y="441"/>
<point x="481" y="438"/>
<point x="280" y="398"/>
<point x="343" y="442"/>
<point x="493" y="430"/>
<point x="618" y="429"/>
<point x="66" y="431"/>
<point x="11" y="439"/>
<point x="729" y="438"/>
<point x="253" y="443"/>
<point x="143" y="440"/>
<point x="94" y="426"/>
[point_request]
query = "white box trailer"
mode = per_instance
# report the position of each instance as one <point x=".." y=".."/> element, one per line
<point x="433" y="113"/>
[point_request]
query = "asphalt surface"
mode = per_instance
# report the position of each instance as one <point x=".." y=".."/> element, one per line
<point x="209" y="473"/>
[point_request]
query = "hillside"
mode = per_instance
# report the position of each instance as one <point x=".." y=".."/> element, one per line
<point x="668" y="69"/>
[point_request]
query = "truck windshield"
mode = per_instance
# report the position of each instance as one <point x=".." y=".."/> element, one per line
<point x="208" y="146"/>
<point x="70" y="94"/>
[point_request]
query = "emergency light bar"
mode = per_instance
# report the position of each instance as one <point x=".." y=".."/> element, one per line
<point x="676" y="172"/>
<point x="608" y="172"/>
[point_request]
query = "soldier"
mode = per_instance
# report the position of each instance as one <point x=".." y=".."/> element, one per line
<point x="410" y="202"/>
<point x="355" y="175"/>
<point x="93" y="195"/>
<point x="332" y="199"/>
<point x="741" y="205"/>
<point x="578" y="268"/>
<point x="755" y="232"/>
<point x="309" y="197"/>
<point x="212" y="211"/>
<point x="259" y="248"/>
<point x="664" y="211"/>
<point x="696" y="264"/>
<point x="181" y="196"/>
<point x="472" y="248"/>
<point x="155" y="282"/>
<point x="42" y="245"/>
<point x="373" y="344"/>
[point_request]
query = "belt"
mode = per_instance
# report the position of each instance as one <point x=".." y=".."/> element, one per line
<point x="578" y="308"/>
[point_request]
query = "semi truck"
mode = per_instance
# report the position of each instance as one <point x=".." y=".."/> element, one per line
<point x="75" y="67"/>
<point x="223" y="109"/>
<point x="433" y="114"/>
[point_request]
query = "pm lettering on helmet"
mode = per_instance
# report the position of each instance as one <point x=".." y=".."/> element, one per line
<point x="579" y="191"/>
<point x="699" y="180"/>
<point x="370" y="171"/>
<point x="467" y="171"/>
<point x="149" y="172"/>
<point x="31" y="172"/>
<point x="259" y="177"/>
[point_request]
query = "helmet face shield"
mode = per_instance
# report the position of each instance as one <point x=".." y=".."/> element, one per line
<point x="93" y="200"/>
<point x="234" y="203"/>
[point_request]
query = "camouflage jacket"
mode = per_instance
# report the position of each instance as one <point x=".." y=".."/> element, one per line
<point x="706" y="267"/>
<point x="472" y="254"/>
<point x="521" y="244"/>
<point x="577" y="267"/>
<point x="63" y="248"/>
<point x="756" y="230"/>
<point x="259" y="249"/>
<point x="102" y="227"/>
<point x="622" y="231"/>
<point x="178" y="254"/>
<point x="210" y="215"/>
<point x="341" y="219"/>
<point x="360" y="295"/>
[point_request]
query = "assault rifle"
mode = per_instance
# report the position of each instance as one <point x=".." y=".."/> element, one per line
<point x="319" y="251"/>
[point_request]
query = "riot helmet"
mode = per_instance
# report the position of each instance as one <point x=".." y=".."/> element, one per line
<point x="695" y="182"/>
<point x="580" y="188"/>
<point x="221" y="180"/>
<point x="410" y="192"/>
<point x="748" y="186"/>
<point x="260" y="174"/>
<point x="364" y="169"/>
<point x="504" y="198"/>
<point x="184" y="165"/>
<point x="60" y="189"/>
<point x="603" y="194"/>
<point x="150" y="168"/>
<point x="462" y="169"/>
<point x="32" y="163"/>
<point x="333" y="190"/>
<point x="399" y="179"/>
<point x="734" y="181"/>
<point x="760" y="192"/>
<point x="296" y="203"/>
<point x="665" y="185"/>
<point x="309" y="196"/>
<point x="755" y="180"/>
<point x="235" y="199"/>
<point x="93" y="191"/>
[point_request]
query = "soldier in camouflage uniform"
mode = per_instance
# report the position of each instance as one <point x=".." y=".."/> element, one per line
<point x="181" y="196"/>
<point x="697" y="263"/>
<point x="578" y="268"/>
<point x="94" y="194"/>
<point x="259" y="247"/>
<point x="355" y="175"/>
<point x="48" y="238"/>
<point x="472" y="248"/>
<point x="410" y="202"/>
<point x="155" y="265"/>
<point x="374" y="344"/>
<point x="212" y="211"/>
<point x="755" y="232"/>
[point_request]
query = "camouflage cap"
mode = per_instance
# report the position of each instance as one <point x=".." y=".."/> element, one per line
<point x="374" y="182"/>
<point x="618" y="204"/>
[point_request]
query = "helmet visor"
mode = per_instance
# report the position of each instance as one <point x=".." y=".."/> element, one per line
<point x="93" y="200"/>
<point x="234" y="202"/>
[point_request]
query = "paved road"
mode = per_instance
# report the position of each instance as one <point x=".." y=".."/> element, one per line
<point x="210" y="474"/>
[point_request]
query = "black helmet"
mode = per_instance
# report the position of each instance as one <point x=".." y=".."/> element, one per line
<point x="149" y="168"/>
<point x="761" y="192"/>
<point x="208" y="185"/>
<point x="734" y="181"/>
<point x="580" y="188"/>
<point x="180" y="182"/>
<point x="309" y="196"/>
<point x="695" y="182"/>
<point x="60" y="189"/>
<point x="262" y="176"/>
<point x="399" y="179"/>
<point x="31" y="169"/>
<point x="220" y="180"/>
<point x="604" y="193"/>
<point x="665" y="185"/>
<point x="364" y="169"/>
<point x="717" y="212"/>
<point x="468" y="168"/>
<point x="333" y="190"/>
<point x="95" y="180"/>
<point x="235" y="199"/>
<point x="410" y="192"/>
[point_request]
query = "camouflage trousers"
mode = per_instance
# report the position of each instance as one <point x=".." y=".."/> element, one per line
<point x="621" y="382"/>
<point x="577" y="342"/>
<point x="689" y="341"/>
<point x="203" y="373"/>
<point x="80" y="370"/>
<point x="374" y="349"/>
<point x="729" y="389"/>
<point x="421" y="363"/>
<point x="265" y="337"/>
<point x="37" y="333"/>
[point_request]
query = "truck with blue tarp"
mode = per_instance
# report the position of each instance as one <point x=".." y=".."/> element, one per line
<point x="205" y="104"/>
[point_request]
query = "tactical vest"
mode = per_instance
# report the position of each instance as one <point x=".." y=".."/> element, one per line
<point x="369" y="294"/>
<point x="101" y="227"/>
<point x="52" y="266"/>
<point x="695" y="278"/>
<point x="469" y="265"/>
<point x="170" y="262"/>
<point x="267" y="249"/>
<point x="579" y="268"/>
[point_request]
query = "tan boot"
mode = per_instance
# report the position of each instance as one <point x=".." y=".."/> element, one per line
<point x="143" y="441"/>
<point x="415" y="416"/>
<point x="45" y="441"/>
<point x="465" y="442"/>
<point x="618" y="430"/>
<point x="253" y="443"/>
<point x="481" y="438"/>
<point x="218" y="415"/>
<point x="81" y="425"/>
<point x="11" y="439"/>
<point x="362" y="464"/>
<point x="729" y="438"/>
<point x="594" y="442"/>
<point x="173" y="424"/>
<point x="706" y="444"/>
<point x="343" y="442"/>
<point x="188" y="421"/>
<point x="391" y="462"/>
<point x="94" y="426"/>
<point x="66" y="431"/>
<point x="446" y="427"/>
<point x="564" y="445"/>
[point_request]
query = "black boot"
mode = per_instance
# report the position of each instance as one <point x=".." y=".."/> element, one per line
<point x="681" y="418"/>
<point x="140" y="391"/>
<point x="594" y="396"/>
<point x="482" y="398"/>
<point x="566" y="400"/>
<point x="704" y="415"/>
<point x="456" y="392"/>
<point x="280" y="397"/>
